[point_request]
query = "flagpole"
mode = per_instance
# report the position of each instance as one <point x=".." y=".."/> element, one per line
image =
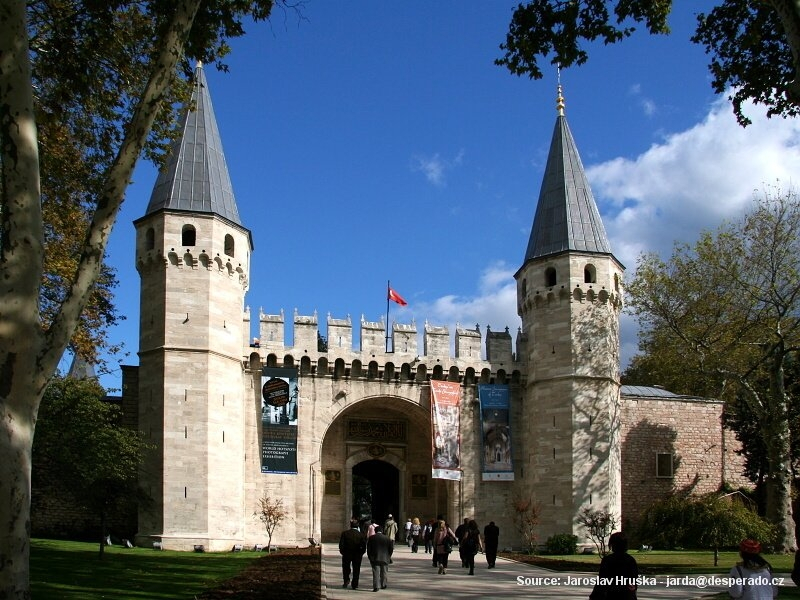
<point x="388" y="287"/>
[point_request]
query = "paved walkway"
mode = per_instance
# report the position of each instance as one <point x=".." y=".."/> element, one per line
<point x="413" y="576"/>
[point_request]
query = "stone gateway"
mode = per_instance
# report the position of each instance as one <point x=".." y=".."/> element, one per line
<point x="339" y="432"/>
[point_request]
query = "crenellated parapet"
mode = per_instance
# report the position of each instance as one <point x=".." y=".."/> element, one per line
<point x="396" y="358"/>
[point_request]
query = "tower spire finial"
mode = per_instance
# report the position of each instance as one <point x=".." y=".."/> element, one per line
<point x="560" y="97"/>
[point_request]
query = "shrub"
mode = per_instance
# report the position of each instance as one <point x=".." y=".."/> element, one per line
<point x="562" y="543"/>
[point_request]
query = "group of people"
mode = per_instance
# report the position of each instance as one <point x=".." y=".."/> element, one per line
<point x="436" y="535"/>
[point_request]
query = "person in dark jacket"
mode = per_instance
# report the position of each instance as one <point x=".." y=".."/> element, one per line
<point x="379" y="552"/>
<point x="491" y="537"/>
<point x="618" y="572"/>
<point x="460" y="531"/>
<point x="352" y="546"/>
<point x="471" y="544"/>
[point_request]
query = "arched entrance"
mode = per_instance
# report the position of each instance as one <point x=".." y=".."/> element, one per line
<point x="375" y="490"/>
<point x="375" y="459"/>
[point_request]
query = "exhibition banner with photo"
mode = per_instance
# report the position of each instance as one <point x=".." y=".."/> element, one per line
<point x="279" y="395"/>
<point x="446" y="429"/>
<point x="496" y="433"/>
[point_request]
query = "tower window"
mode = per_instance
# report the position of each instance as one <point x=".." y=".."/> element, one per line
<point x="229" y="245"/>
<point x="149" y="239"/>
<point x="188" y="235"/>
<point x="589" y="274"/>
<point x="550" y="277"/>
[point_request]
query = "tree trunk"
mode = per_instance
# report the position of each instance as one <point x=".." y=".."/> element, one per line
<point x="16" y="441"/>
<point x="779" y="473"/>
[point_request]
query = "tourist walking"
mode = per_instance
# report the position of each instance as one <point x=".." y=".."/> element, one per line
<point x="470" y="544"/>
<point x="416" y="534"/>
<point x="460" y="531"/>
<point x="427" y="534"/>
<point x="443" y="540"/>
<point x="352" y="546"/>
<point x="618" y="572"/>
<point x="390" y="530"/>
<point x="751" y="579"/>
<point x="407" y="532"/>
<point x="379" y="552"/>
<point x="491" y="538"/>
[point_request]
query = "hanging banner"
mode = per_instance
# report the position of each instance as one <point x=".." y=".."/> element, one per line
<point x="279" y="420"/>
<point x="446" y="429"/>
<point x="496" y="432"/>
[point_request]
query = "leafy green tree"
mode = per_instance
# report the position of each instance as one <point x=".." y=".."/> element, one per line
<point x="710" y="521"/>
<point x="82" y="446"/>
<point x="720" y="522"/>
<point x="99" y="78"/>
<point x="730" y="304"/>
<point x="754" y="46"/>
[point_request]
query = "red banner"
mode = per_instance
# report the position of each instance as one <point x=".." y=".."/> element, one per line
<point x="446" y="429"/>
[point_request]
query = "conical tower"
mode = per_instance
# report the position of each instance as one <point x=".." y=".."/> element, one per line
<point x="193" y="257"/>
<point x="569" y="295"/>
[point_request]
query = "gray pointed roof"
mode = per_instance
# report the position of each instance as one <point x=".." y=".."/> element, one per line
<point x="566" y="215"/>
<point x="196" y="177"/>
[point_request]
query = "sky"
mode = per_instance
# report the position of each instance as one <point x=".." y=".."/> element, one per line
<point x="371" y="141"/>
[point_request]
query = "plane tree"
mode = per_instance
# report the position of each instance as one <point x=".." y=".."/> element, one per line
<point x="754" y="47"/>
<point x="85" y="89"/>
<point x="729" y="307"/>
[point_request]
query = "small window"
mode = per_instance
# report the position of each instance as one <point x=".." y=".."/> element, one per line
<point x="150" y="239"/>
<point x="550" y="277"/>
<point x="188" y="236"/>
<point x="589" y="274"/>
<point x="229" y="245"/>
<point x="664" y="465"/>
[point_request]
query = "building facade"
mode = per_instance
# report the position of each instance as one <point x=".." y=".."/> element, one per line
<point x="360" y="419"/>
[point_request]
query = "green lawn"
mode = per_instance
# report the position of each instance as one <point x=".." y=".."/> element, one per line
<point x="73" y="571"/>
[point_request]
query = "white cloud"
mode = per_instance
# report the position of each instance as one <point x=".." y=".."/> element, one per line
<point x="693" y="180"/>
<point x="647" y="105"/>
<point x="435" y="167"/>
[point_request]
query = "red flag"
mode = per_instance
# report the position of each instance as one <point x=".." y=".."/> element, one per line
<point x="395" y="297"/>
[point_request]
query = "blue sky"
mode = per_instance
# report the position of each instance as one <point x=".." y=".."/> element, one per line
<point x="370" y="141"/>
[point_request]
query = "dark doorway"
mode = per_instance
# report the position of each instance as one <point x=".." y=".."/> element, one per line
<point x="376" y="490"/>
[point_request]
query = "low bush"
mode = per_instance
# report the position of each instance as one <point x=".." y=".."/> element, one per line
<point x="562" y="543"/>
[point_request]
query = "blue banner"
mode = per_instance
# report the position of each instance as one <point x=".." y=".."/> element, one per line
<point x="496" y="433"/>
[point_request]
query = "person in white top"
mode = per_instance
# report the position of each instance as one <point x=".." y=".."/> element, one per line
<point x="751" y="579"/>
